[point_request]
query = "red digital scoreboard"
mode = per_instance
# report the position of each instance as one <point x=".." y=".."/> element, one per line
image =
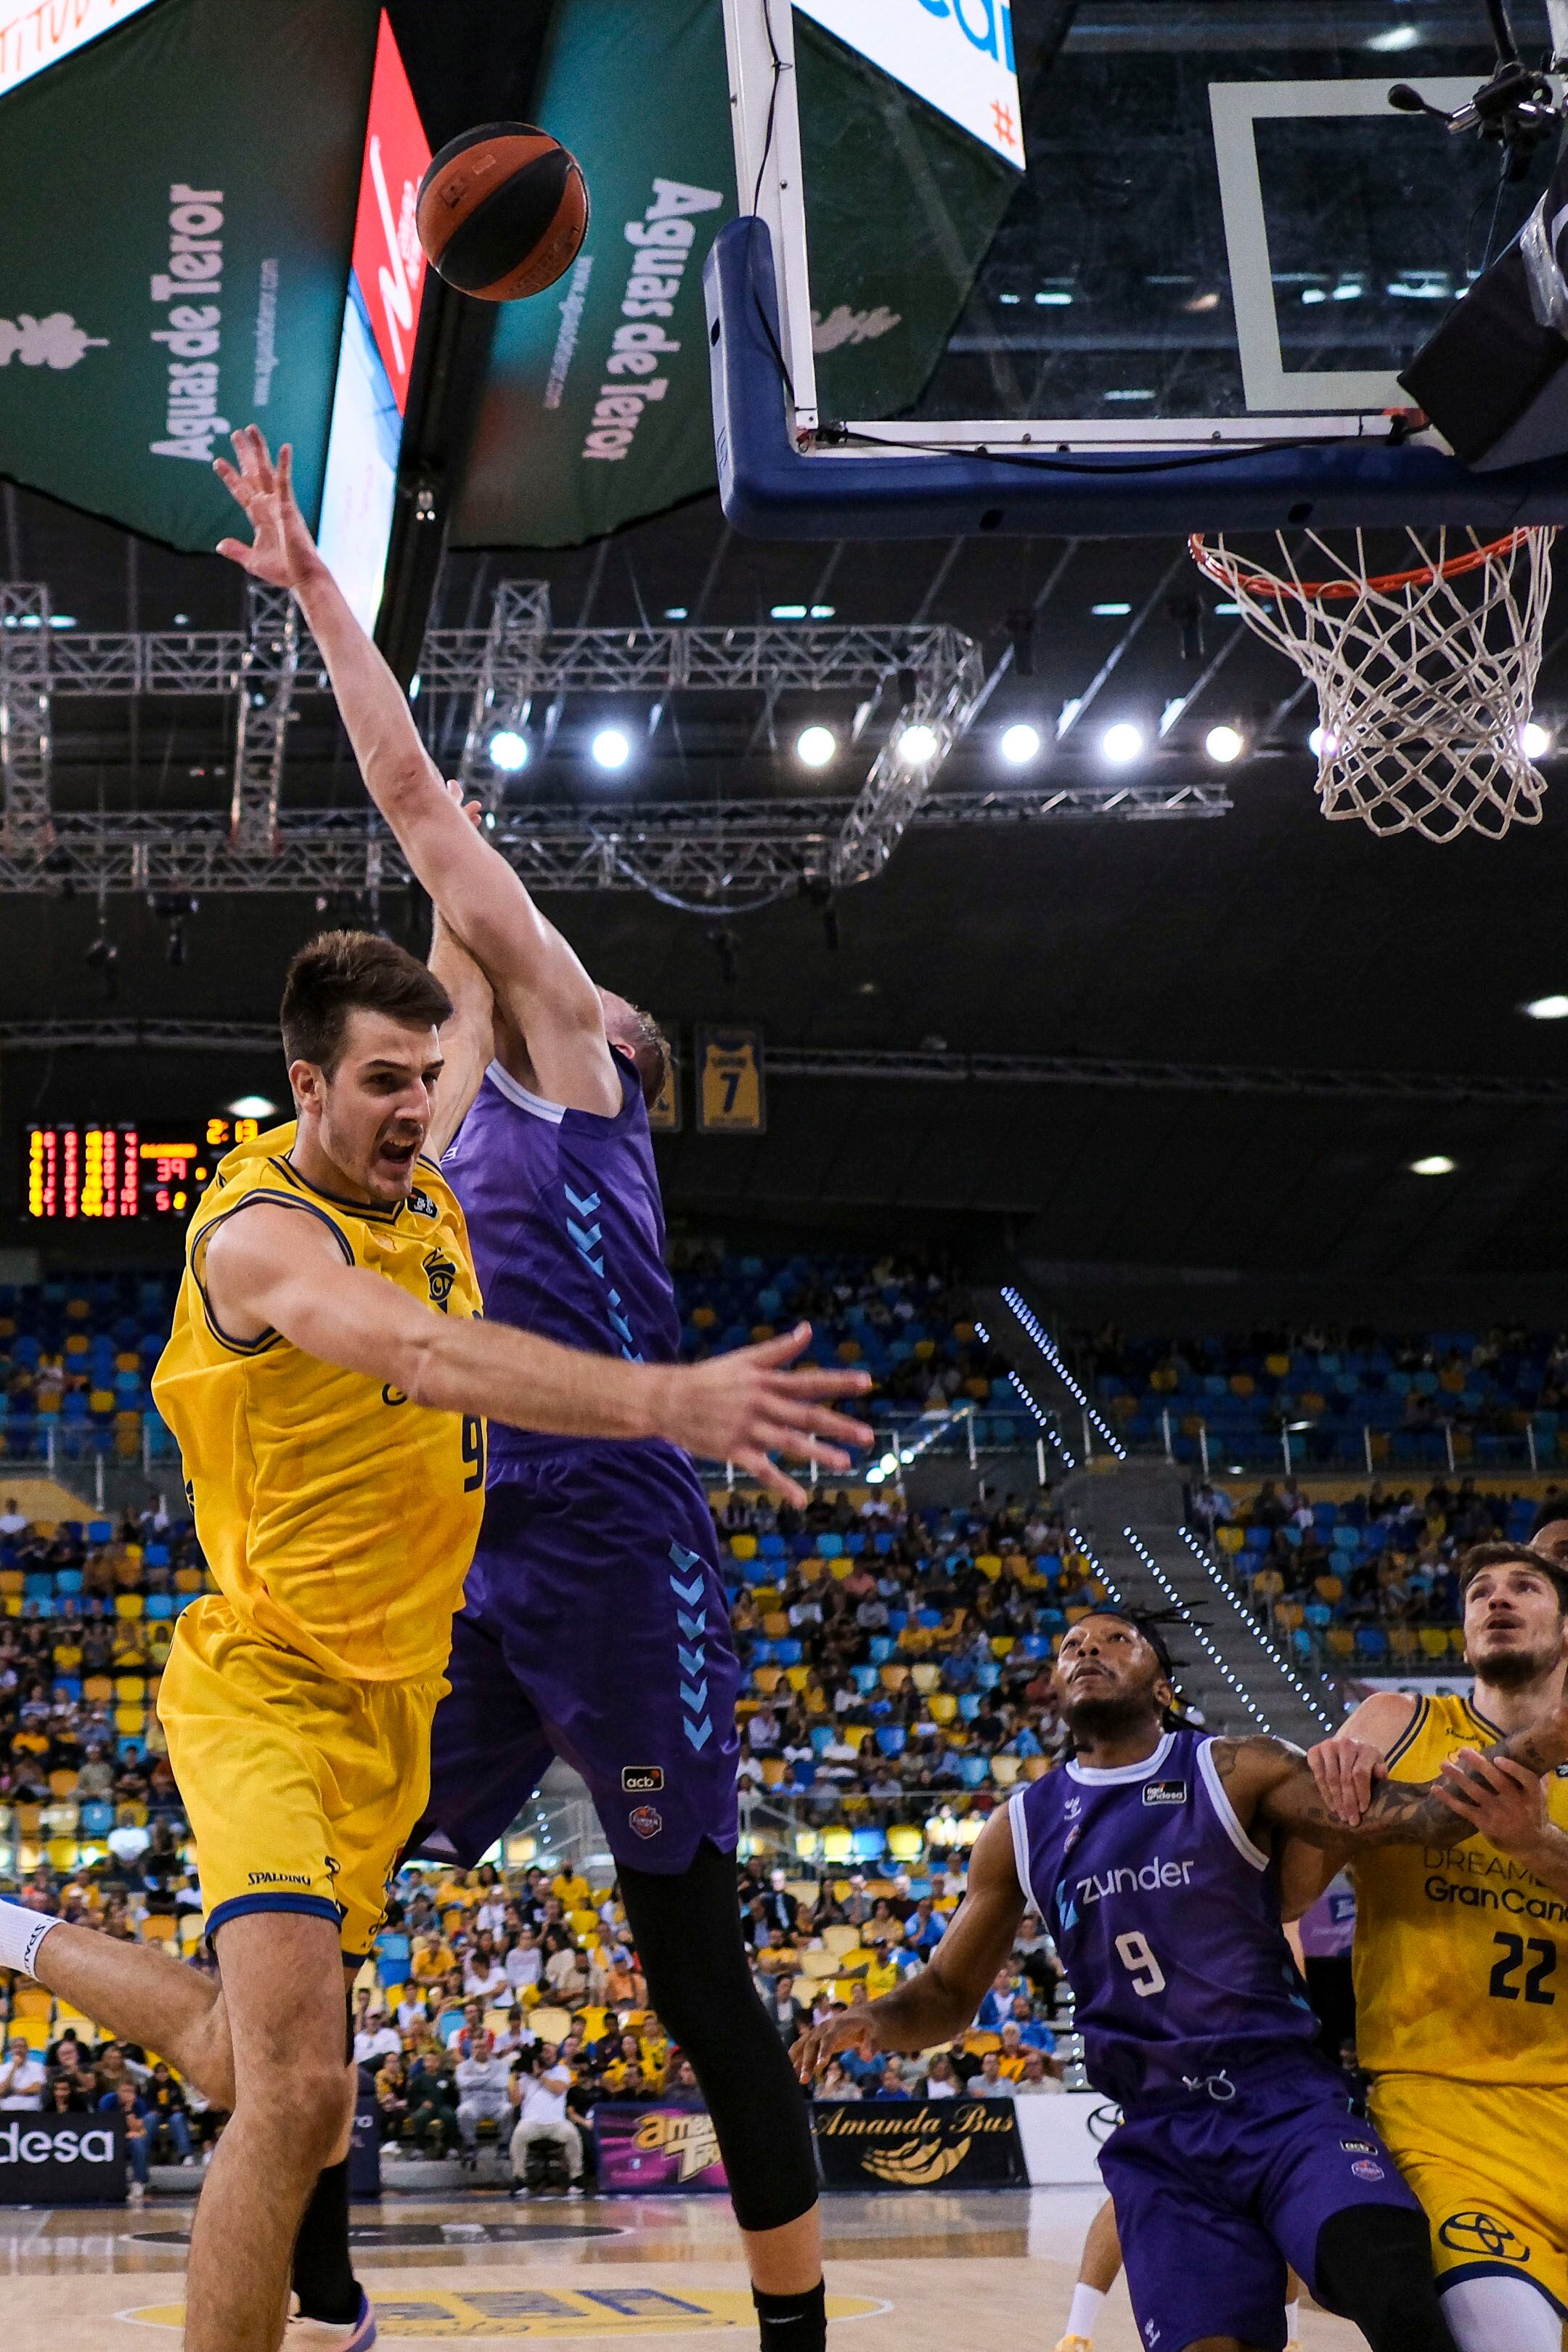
<point x="88" y="1172"/>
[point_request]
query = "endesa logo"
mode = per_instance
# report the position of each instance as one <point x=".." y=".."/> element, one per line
<point x="20" y="2145"/>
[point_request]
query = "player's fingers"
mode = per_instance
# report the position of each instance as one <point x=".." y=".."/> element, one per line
<point x="286" y="469"/>
<point x="766" y="1473"/>
<point x="1527" y="1783"/>
<point x="800" y="1415"/>
<point x="782" y="1351"/>
<point x="803" y="1383"/>
<point x="229" y="478"/>
<point x="236" y="551"/>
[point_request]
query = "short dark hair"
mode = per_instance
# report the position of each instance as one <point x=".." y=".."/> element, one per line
<point x="1499" y="1555"/>
<point x="340" y="972"/>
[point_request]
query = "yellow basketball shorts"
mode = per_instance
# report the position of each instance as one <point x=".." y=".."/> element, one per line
<point x="1486" y="2159"/>
<point x="300" y="1791"/>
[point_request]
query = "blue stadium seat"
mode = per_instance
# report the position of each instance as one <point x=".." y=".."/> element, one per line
<point x="866" y="1679"/>
<point x="881" y="1647"/>
<point x="97" y="1819"/>
<point x="969" y="1705"/>
<point x="891" y="1738"/>
<point x="789" y="1654"/>
<point x="975" y="1770"/>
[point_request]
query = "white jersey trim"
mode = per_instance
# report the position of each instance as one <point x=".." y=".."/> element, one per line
<point x="505" y="1084"/>
<point x="1108" y="1776"/>
<point x="1020" y="1828"/>
<point x="1208" y="1772"/>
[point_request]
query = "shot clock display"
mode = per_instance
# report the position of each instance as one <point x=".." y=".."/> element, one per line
<point x="90" y="1171"/>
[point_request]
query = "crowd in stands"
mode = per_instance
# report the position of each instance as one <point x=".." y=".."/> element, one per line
<point x="501" y="2009"/>
<point x="78" y="1356"/>
<point x="1494" y="1396"/>
<point x="1370" y="1578"/>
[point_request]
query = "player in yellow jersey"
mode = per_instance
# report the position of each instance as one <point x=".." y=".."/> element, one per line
<point x="327" y="1379"/>
<point x="1461" y="1960"/>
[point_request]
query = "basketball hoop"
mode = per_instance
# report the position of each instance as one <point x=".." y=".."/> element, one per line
<point x="1424" y="677"/>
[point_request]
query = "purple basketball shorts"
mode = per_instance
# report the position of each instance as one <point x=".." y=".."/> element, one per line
<point x="594" y="1628"/>
<point x="1215" y="2194"/>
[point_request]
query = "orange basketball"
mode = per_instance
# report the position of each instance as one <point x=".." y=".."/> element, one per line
<point x="503" y="211"/>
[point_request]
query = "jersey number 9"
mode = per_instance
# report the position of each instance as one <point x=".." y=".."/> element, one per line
<point x="1141" y="1965"/>
<point x="473" y="1452"/>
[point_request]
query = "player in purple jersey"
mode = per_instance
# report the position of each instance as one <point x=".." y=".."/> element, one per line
<point x="1150" y="1856"/>
<point x="595" y="1624"/>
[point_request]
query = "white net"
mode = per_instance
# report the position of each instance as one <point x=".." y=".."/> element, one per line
<point x="1424" y="677"/>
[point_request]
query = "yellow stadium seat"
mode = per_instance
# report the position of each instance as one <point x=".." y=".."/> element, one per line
<point x="838" y="1940"/>
<point x="60" y="1819"/>
<point x="776" y="1625"/>
<point x="1290" y="1614"/>
<point x="894" y="1677"/>
<point x="1004" y="1771"/>
<point x="816" y="1965"/>
<point x="551" y="2024"/>
<point x="63" y="1783"/>
<point x="855" y="1734"/>
<point x="1002" y="1645"/>
<point x="29" y="1820"/>
<point x="989" y="1564"/>
<point x="743" y="1547"/>
<point x="772" y="1771"/>
<point x="131" y="1721"/>
<point x="1277" y="1367"/>
<point x="98" y="1690"/>
<point x="31" y="2000"/>
<point x="904" y="1841"/>
<point x="1035" y="1768"/>
<point x="130" y="1689"/>
<point x="1403" y="1643"/>
<point x="1229" y="1538"/>
<point x="943" y="1706"/>
<point x="767" y="1679"/>
<point x="1080" y="1608"/>
<point x="977" y="2042"/>
<point x="812" y="1569"/>
<point x="128" y="1604"/>
<point x="34" y="2031"/>
<point x="583" y="1923"/>
<point x="797" y="1676"/>
<point x="1435" y="1641"/>
<point x="62" y="1854"/>
<point x="1340" y="1641"/>
<point x="1329" y="1588"/>
<point x="841" y="1567"/>
<point x="925" y="1678"/>
<point x="11" y="1582"/>
<point x="1457" y="1639"/>
<point x="193" y="1933"/>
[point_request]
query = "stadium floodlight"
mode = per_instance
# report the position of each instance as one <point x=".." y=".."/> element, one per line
<point x="251" y="1106"/>
<point x="1122" y="743"/>
<point x="1437" y="1163"/>
<point x="508" y="750"/>
<point x="1224" y="744"/>
<point x="1535" y="740"/>
<point x="918" y="744"/>
<point x="1546" y="1008"/>
<point x="610" y="748"/>
<point x="815" y="746"/>
<point x="1021" y="744"/>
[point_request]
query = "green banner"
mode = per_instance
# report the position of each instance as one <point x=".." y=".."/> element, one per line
<point x="596" y="410"/>
<point x="198" y="171"/>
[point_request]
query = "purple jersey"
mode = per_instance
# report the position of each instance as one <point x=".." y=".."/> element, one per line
<point x="566" y="1229"/>
<point x="1167" y="1919"/>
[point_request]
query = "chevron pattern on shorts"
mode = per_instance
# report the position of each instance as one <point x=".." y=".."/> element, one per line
<point x="586" y="1235"/>
<point x="689" y="1585"/>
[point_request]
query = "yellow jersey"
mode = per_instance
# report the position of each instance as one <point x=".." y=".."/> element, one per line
<point x="337" y="1517"/>
<point x="1462" y="1956"/>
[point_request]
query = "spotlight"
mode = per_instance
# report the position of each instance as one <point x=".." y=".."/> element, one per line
<point x="1021" y="744"/>
<point x="1224" y="744"/>
<point x="1546" y="1008"/>
<point x="815" y="746"/>
<point x="251" y="1106"/>
<point x="1534" y="741"/>
<point x="508" y="750"/>
<point x="1122" y="743"/>
<point x="1437" y="1163"/>
<point x="1322" y="745"/>
<point x="610" y="748"/>
<point x="918" y="744"/>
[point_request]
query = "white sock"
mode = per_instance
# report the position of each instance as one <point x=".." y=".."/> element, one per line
<point x="1292" y="2322"/>
<point x="1085" y="2311"/>
<point x="21" y="1933"/>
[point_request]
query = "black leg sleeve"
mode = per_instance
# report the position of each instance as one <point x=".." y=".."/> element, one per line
<point x="323" y="2270"/>
<point x="687" y="1928"/>
<point x="1375" y="2267"/>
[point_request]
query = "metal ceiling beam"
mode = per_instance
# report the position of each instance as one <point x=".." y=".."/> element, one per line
<point x="708" y="853"/>
<point x="26" y="647"/>
<point x="116" y="1034"/>
<point x="269" y="671"/>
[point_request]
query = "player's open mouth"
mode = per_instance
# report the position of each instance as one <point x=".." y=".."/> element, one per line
<point x="1090" y="1666"/>
<point x="399" y="1151"/>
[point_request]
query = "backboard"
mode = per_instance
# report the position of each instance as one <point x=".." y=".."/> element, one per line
<point x="1124" y="263"/>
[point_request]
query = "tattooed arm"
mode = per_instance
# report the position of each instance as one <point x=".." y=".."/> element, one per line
<point x="1271" y="1788"/>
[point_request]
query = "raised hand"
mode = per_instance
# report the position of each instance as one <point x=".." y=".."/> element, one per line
<point x="282" y="551"/>
<point x="744" y="1407"/>
<point x="1501" y="1798"/>
<point x="1347" y="1771"/>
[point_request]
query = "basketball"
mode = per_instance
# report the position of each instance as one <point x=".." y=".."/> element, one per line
<point x="503" y="211"/>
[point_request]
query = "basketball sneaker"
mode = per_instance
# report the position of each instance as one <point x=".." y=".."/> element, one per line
<point x="304" y="2334"/>
<point x="1086" y="2344"/>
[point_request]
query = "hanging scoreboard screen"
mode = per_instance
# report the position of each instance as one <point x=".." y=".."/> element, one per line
<point x="90" y="1172"/>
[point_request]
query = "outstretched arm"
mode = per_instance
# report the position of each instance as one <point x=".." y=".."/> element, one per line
<point x="941" y="1999"/>
<point x="1272" y="1786"/>
<point x="537" y="979"/>
<point x="270" y="1268"/>
<point x="467" y="1039"/>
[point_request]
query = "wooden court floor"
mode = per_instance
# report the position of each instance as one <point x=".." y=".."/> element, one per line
<point x="977" y="2271"/>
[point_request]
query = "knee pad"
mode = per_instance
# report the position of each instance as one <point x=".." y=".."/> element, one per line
<point x="1373" y="2266"/>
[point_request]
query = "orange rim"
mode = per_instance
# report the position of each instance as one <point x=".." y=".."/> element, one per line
<point x="1322" y="591"/>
